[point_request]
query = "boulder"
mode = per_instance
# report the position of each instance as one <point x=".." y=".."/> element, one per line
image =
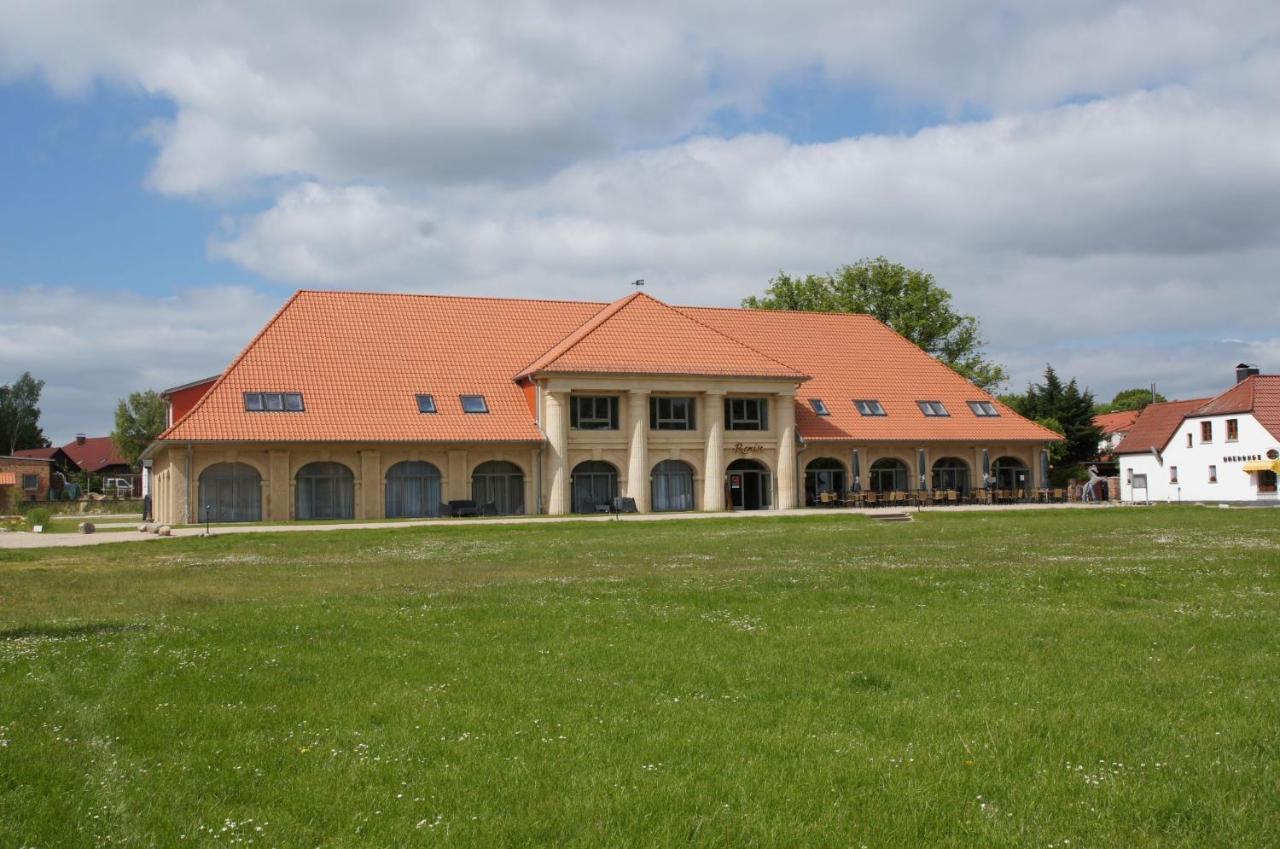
<point x="86" y="527"/>
<point x="164" y="531"/>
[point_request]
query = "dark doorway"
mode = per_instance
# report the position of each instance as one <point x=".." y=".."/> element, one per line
<point x="750" y="485"/>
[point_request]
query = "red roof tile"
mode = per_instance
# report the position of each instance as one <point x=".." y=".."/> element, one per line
<point x="857" y="357"/>
<point x="1258" y="394"/>
<point x="1156" y="425"/>
<point x="36" y="453"/>
<point x="1117" y="422"/>
<point x="94" y="454"/>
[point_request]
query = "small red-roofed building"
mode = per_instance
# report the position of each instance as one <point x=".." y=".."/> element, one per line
<point x="368" y="405"/>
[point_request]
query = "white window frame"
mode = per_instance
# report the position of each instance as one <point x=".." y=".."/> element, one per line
<point x="671" y="421"/>
<point x="983" y="409"/>
<point x="869" y="407"/>
<point x="933" y="409"/>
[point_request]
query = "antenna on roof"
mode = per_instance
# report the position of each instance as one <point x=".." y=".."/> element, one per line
<point x="637" y="284"/>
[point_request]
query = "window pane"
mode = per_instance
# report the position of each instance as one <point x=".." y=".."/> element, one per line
<point x="272" y="401"/>
<point x="293" y="402"/>
<point x="253" y="401"/>
<point x="474" y="404"/>
<point x="426" y="404"/>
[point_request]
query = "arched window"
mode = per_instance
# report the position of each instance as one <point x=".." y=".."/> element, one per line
<point x="497" y="487"/>
<point x="888" y="475"/>
<point x="230" y="492"/>
<point x="413" y="490"/>
<point x="750" y="485"/>
<point x="951" y="473"/>
<point x="592" y="484"/>
<point x="325" y="491"/>
<point x="672" y="486"/>
<point x="1011" y="474"/>
<point x="823" y="474"/>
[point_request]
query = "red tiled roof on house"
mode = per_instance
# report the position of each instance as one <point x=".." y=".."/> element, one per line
<point x="1118" y="422"/>
<point x="641" y="335"/>
<point x="1258" y="394"/>
<point x="1156" y="425"/>
<point x="358" y="359"/>
<point x="37" y="453"/>
<point x="94" y="454"/>
<point x="856" y="357"/>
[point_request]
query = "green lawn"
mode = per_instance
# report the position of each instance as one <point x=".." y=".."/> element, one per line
<point x="1063" y="679"/>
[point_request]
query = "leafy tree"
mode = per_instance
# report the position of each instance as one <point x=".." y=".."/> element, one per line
<point x="20" y="414"/>
<point x="140" y="418"/>
<point x="1068" y="407"/>
<point x="908" y="300"/>
<point x="1057" y="450"/>
<point x="1130" y="399"/>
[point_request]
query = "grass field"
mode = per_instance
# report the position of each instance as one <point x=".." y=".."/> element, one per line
<point x="1062" y="679"/>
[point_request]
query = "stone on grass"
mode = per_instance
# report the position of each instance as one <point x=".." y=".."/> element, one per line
<point x="86" y="527"/>
<point x="164" y="531"/>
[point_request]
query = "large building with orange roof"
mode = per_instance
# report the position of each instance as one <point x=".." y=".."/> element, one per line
<point x="365" y="406"/>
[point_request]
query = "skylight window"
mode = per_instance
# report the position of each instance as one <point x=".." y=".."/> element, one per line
<point x="983" y="409"/>
<point x="819" y="406"/>
<point x="933" y="408"/>
<point x="473" y="404"/>
<point x="870" y="407"/>
<point x="273" y="402"/>
<point x="426" y="403"/>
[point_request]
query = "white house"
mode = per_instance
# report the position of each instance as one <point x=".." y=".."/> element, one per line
<point x="1225" y="448"/>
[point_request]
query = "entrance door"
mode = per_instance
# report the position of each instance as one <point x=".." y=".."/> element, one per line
<point x="750" y="485"/>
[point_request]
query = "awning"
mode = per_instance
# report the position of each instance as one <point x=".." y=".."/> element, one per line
<point x="1262" y="466"/>
<point x="8" y="479"/>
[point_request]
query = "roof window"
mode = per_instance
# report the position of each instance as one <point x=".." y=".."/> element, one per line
<point x="273" y="402"/>
<point x="819" y="406"/>
<point x="869" y="407"/>
<point x="933" y="408"/>
<point x="426" y="403"/>
<point x="473" y="404"/>
<point x="983" y="409"/>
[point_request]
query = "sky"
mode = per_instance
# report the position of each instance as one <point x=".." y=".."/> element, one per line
<point x="1099" y="183"/>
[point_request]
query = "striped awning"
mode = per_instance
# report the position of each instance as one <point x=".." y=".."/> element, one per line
<point x="1262" y="466"/>
<point x="8" y="479"/>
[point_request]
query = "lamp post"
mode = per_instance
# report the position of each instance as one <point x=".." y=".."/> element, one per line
<point x="208" y="508"/>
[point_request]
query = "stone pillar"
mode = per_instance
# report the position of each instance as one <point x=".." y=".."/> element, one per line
<point x="557" y="456"/>
<point x="458" y="487"/>
<point x="184" y="501"/>
<point x="279" y="506"/>
<point x="531" y="478"/>
<point x="785" y="417"/>
<point x="713" y="462"/>
<point x="372" y="487"/>
<point x="638" y="449"/>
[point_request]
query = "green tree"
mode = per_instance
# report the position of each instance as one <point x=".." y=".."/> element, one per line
<point x="1068" y="407"/>
<point x="20" y="414"/>
<point x="1131" y="399"/>
<point x="908" y="300"/>
<point x="140" y="418"/>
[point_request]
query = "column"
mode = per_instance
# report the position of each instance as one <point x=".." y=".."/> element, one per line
<point x="184" y="502"/>
<point x="785" y="417"/>
<point x="459" y="483"/>
<point x="372" y="486"/>
<point x="713" y="462"/>
<point x="557" y="430"/>
<point x="279" y="504"/>
<point x="638" y="449"/>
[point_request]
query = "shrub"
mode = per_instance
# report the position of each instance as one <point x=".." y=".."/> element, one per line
<point x="39" y="516"/>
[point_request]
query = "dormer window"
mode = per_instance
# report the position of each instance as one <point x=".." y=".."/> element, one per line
<point x="932" y="408"/>
<point x="819" y="406"/>
<point x="426" y="403"/>
<point x="473" y="404"/>
<point x="870" y="407"/>
<point x="982" y="409"/>
<point x="273" y="402"/>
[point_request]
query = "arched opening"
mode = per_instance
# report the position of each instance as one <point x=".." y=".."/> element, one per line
<point x="497" y="488"/>
<point x="1011" y="474"/>
<point x="325" y="491"/>
<point x="889" y="475"/>
<point x="823" y="474"/>
<point x="951" y="473"/>
<point x="230" y="492"/>
<point x="413" y="490"/>
<point x="593" y="484"/>
<point x="672" y="486"/>
<point x="750" y="485"/>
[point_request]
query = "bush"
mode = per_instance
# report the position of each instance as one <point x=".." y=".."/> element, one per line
<point x="39" y="516"/>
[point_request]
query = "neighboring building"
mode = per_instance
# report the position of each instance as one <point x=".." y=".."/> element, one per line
<point x="1114" y="426"/>
<point x="180" y="399"/>
<point x="24" y="479"/>
<point x="350" y="405"/>
<point x="95" y="455"/>
<point x="1225" y="448"/>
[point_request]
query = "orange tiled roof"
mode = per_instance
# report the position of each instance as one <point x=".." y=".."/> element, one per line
<point x="641" y="335"/>
<point x="1117" y="422"/>
<point x="1258" y="394"/>
<point x="359" y="358"/>
<point x="94" y="454"/>
<point x="1156" y="425"/>
<point x="857" y="357"/>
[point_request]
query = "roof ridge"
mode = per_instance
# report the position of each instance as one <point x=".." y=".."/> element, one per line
<point x="577" y="335"/>
<point x="701" y="323"/>
<point x="433" y="295"/>
<point x="232" y="367"/>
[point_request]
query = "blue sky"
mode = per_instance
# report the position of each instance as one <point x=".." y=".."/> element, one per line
<point x="1096" y="181"/>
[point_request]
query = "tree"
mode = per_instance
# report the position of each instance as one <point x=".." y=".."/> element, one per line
<point x="1131" y="399"/>
<point x="1069" y="409"/>
<point x="20" y="414"/>
<point x="908" y="300"/>
<point x="140" y="418"/>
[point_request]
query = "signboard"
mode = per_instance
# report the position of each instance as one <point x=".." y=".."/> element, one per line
<point x="735" y="481"/>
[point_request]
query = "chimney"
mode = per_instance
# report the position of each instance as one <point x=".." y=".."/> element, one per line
<point x="1244" y="370"/>
<point x="79" y="439"/>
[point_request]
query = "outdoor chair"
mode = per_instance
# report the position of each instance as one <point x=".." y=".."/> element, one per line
<point x="953" y="497"/>
<point x="827" y="499"/>
<point x="868" y="499"/>
<point x="465" y="507"/>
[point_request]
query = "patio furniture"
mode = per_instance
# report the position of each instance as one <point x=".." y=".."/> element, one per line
<point x="868" y="499"/>
<point x="827" y="499"/>
<point x="463" y="507"/>
<point x="953" y="497"/>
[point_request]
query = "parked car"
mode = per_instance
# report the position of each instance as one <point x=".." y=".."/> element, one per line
<point x="119" y="487"/>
